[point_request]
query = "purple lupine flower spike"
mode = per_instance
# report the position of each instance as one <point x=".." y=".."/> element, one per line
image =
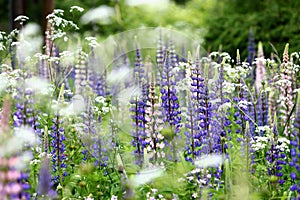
<point x="295" y="151"/>
<point x="58" y="149"/>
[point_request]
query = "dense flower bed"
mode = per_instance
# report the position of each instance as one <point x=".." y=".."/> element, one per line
<point x="167" y="127"/>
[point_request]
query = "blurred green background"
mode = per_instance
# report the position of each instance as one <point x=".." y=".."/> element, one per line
<point x="218" y="22"/>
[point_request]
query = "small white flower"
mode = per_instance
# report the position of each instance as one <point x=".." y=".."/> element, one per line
<point x="100" y="99"/>
<point x="113" y="197"/>
<point x="77" y="8"/>
<point x="34" y="162"/>
<point x="154" y="191"/>
<point x="194" y="195"/>
<point x="21" y="18"/>
<point x="92" y="41"/>
<point x="105" y="110"/>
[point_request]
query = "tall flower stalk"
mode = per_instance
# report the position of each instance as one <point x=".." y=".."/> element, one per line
<point x="154" y="125"/>
<point x="170" y="104"/>
<point x="285" y="83"/>
<point x="58" y="149"/>
<point x="295" y="152"/>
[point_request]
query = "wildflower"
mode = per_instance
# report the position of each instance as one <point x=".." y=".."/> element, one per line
<point x="170" y="105"/>
<point x="251" y="47"/>
<point x="77" y="8"/>
<point x="113" y="197"/>
<point x="284" y="82"/>
<point x="154" y="124"/>
<point x="58" y="149"/>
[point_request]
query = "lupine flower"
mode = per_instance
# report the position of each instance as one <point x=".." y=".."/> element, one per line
<point x="276" y="157"/>
<point x="138" y="133"/>
<point x="295" y="150"/>
<point x="160" y="52"/>
<point x="260" y="67"/>
<point x="81" y="72"/>
<point x="58" y="149"/>
<point x="24" y="105"/>
<point x="139" y="72"/>
<point x="241" y="100"/>
<point x="222" y="115"/>
<point x="251" y="47"/>
<point x="170" y="104"/>
<point x="154" y="124"/>
<point x="285" y="83"/>
<point x="97" y="80"/>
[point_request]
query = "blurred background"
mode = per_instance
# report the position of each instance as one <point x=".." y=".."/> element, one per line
<point x="225" y="24"/>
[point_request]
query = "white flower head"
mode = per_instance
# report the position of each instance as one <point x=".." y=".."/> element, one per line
<point x="76" y="8"/>
<point x="113" y="197"/>
<point x="21" y="18"/>
<point x="92" y="41"/>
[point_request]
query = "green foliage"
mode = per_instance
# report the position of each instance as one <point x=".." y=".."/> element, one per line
<point x="273" y="22"/>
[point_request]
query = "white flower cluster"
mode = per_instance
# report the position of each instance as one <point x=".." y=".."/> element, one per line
<point x="228" y="87"/>
<point x="77" y="8"/>
<point x="21" y="18"/>
<point x="153" y="195"/>
<point x="92" y="41"/>
<point x="283" y="144"/>
<point x="260" y="60"/>
<point x="192" y="177"/>
<point x="259" y="143"/>
<point x="58" y="23"/>
<point x="243" y="104"/>
<point x="234" y="73"/>
<point x="104" y="105"/>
